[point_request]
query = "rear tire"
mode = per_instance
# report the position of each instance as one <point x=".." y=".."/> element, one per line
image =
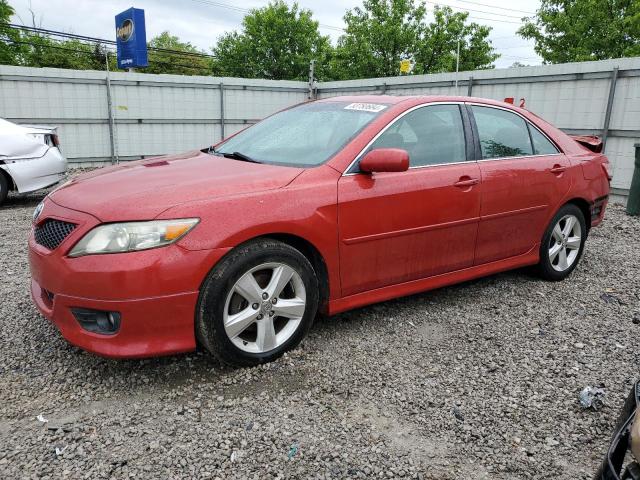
<point x="563" y="243"/>
<point x="257" y="303"/>
<point x="4" y="187"/>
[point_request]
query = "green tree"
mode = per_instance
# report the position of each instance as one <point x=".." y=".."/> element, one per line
<point x="276" y="42"/>
<point x="166" y="62"/>
<point x="580" y="30"/>
<point x="383" y="32"/>
<point x="438" y="46"/>
<point x="10" y="50"/>
<point x="42" y="51"/>
<point x="377" y="37"/>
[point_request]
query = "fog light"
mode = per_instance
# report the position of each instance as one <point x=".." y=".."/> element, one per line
<point x="97" y="321"/>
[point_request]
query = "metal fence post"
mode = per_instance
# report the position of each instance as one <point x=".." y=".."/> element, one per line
<point x="221" y="111"/>
<point x="112" y="126"/>
<point x="633" y="202"/>
<point x="607" y="115"/>
<point x="312" y="79"/>
<point x="469" y="86"/>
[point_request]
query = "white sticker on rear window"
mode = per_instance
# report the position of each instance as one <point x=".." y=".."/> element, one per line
<point x="365" y="107"/>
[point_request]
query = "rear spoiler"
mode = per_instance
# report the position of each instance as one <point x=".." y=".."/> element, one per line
<point x="591" y="142"/>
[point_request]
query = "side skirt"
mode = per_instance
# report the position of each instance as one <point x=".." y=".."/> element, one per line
<point x="415" y="286"/>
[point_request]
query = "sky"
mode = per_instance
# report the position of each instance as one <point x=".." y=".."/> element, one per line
<point x="201" y="22"/>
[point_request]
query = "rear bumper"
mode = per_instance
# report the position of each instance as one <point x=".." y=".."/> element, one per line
<point x="35" y="173"/>
<point x="597" y="209"/>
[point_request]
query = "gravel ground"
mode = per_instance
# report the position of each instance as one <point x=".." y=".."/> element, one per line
<point x="479" y="380"/>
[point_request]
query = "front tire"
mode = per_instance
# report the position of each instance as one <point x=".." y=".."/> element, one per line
<point x="257" y="303"/>
<point x="563" y="243"/>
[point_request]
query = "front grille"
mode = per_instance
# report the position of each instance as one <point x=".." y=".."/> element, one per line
<point x="51" y="233"/>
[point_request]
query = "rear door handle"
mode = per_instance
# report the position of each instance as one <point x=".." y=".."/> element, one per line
<point x="466" y="182"/>
<point x="557" y="169"/>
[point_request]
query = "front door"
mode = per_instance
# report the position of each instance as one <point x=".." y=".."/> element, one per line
<point x="401" y="226"/>
<point x="523" y="181"/>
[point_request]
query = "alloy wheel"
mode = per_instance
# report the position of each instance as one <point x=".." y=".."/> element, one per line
<point x="565" y="242"/>
<point x="264" y="308"/>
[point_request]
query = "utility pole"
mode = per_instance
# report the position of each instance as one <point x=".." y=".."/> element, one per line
<point x="312" y="68"/>
<point x="457" y="65"/>
<point x="112" y="125"/>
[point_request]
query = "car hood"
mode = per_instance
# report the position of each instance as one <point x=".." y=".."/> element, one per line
<point x="143" y="189"/>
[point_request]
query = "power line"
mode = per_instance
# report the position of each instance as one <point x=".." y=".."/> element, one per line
<point x="474" y="17"/>
<point x="87" y="52"/>
<point x="478" y="11"/>
<point x="496" y="6"/>
<point x="510" y="37"/>
<point x="515" y="46"/>
<point x="56" y="47"/>
<point x="105" y="41"/>
<point x="517" y="57"/>
<point x="477" y="17"/>
<point x="212" y="3"/>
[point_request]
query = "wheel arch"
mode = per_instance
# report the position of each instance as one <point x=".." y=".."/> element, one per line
<point x="585" y="208"/>
<point x="5" y="174"/>
<point x="304" y="246"/>
<point x="312" y="253"/>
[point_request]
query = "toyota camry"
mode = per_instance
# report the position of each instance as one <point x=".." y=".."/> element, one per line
<point x="323" y="207"/>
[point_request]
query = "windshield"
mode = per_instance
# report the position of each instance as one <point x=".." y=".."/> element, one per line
<point x="304" y="136"/>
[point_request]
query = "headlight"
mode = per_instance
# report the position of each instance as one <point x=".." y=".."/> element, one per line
<point x="132" y="236"/>
<point x="38" y="211"/>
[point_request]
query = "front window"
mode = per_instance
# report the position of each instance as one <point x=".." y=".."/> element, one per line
<point x="307" y="135"/>
<point x="432" y="135"/>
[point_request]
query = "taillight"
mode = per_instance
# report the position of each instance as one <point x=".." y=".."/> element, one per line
<point x="607" y="170"/>
<point x="51" y="139"/>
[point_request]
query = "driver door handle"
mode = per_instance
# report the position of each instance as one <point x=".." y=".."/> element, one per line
<point x="557" y="169"/>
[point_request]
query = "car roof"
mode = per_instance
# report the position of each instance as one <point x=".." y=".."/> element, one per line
<point x="413" y="99"/>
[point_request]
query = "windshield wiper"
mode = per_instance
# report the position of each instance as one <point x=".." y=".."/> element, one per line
<point x="239" y="156"/>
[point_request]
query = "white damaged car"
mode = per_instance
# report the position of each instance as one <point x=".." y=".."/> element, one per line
<point x="30" y="158"/>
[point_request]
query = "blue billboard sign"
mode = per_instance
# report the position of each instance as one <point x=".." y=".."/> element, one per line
<point x="131" y="39"/>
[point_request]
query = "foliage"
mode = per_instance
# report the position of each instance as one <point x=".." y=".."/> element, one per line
<point x="437" y="48"/>
<point x="579" y="30"/>
<point x="276" y="42"/>
<point x="383" y="32"/>
<point x="165" y="62"/>
<point x="74" y="54"/>
<point x="9" y="49"/>
<point x="279" y="41"/>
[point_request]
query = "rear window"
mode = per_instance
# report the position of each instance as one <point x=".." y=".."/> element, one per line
<point x="541" y="144"/>
<point x="502" y="133"/>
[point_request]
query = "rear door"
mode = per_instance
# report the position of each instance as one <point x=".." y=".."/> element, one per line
<point x="400" y="226"/>
<point x="523" y="182"/>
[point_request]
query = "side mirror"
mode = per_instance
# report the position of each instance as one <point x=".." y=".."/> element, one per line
<point x="385" y="160"/>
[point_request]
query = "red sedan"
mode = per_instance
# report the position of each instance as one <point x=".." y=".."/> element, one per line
<point x="326" y="206"/>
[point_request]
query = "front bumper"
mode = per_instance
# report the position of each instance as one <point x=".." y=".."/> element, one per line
<point x="150" y="326"/>
<point x="155" y="291"/>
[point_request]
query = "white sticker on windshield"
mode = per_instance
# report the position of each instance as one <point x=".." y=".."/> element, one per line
<point x="365" y="107"/>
